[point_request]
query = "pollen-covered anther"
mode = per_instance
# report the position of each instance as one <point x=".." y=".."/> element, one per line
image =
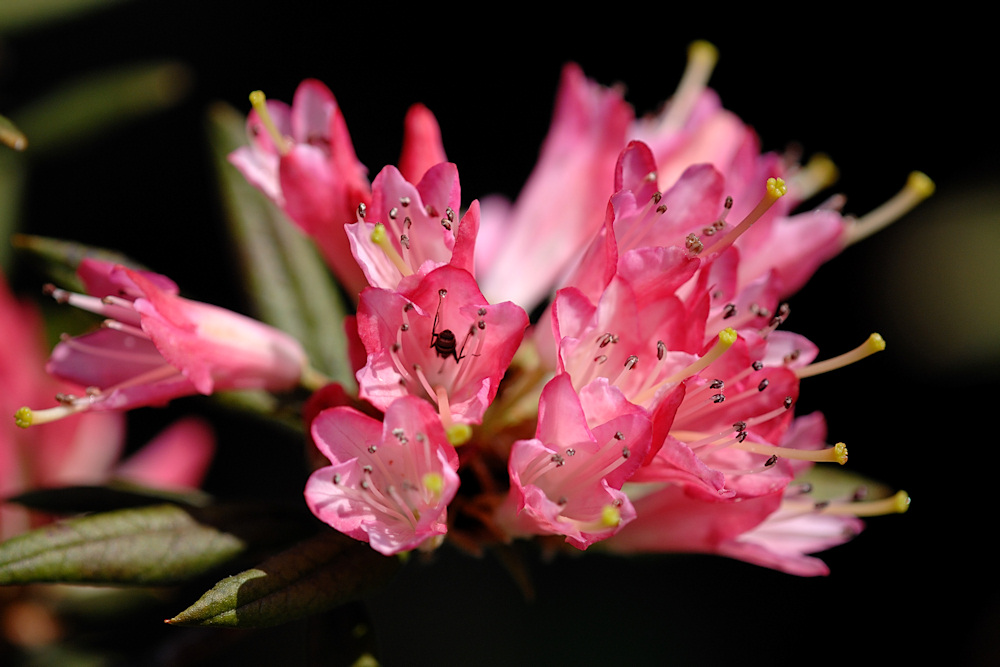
<point x="693" y="244"/>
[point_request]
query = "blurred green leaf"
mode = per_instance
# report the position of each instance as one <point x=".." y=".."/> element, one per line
<point x="311" y="577"/>
<point x="12" y="178"/>
<point x="162" y="544"/>
<point x="20" y="14"/>
<point x="60" y="258"/>
<point x="83" y="108"/>
<point x="288" y="281"/>
<point x="115" y="496"/>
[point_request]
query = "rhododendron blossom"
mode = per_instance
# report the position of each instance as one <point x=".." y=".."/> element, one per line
<point x="648" y="405"/>
<point x="391" y="481"/>
<point x="437" y="338"/>
<point x="83" y="449"/>
<point x="156" y="346"/>
<point x="659" y="369"/>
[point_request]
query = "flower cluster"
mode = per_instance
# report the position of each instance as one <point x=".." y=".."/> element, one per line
<point x="648" y="406"/>
<point x="659" y="385"/>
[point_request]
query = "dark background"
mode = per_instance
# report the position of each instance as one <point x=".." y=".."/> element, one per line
<point x="879" y="99"/>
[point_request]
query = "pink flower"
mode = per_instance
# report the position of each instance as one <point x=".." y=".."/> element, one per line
<point x="437" y="338"/>
<point x="562" y="205"/>
<point x="408" y="226"/>
<point x="567" y="480"/>
<point x="775" y="527"/>
<point x="302" y="158"/>
<point x="83" y="449"/>
<point x="157" y="346"/>
<point x="390" y="482"/>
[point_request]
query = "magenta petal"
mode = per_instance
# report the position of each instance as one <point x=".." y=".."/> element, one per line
<point x="422" y="146"/>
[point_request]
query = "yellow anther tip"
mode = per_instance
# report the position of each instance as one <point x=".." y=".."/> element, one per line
<point x="876" y="343"/>
<point x="433" y="482"/>
<point x="901" y="501"/>
<point x="921" y="184"/>
<point x="703" y="50"/>
<point x="379" y="235"/>
<point x="727" y="336"/>
<point x="776" y="187"/>
<point x="611" y="516"/>
<point x="459" y="434"/>
<point x="825" y="168"/>
<point x="23" y="417"/>
<point x="840" y="452"/>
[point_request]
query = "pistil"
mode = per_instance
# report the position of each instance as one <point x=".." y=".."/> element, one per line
<point x="874" y="343"/>
<point x="776" y="189"/>
<point x="259" y="102"/>
<point x="918" y="188"/>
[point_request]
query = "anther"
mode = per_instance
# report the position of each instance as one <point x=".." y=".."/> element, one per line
<point x="619" y="435"/>
<point x="606" y="339"/>
<point x="763" y="384"/>
<point x="718" y="398"/>
<point x="404" y="201"/>
<point x="362" y="210"/>
<point x="771" y="461"/>
<point x="693" y="244"/>
<point x="757" y="365"/>
<point x="728" y="311"/>
<point x="570" y="452"/>
<point x="661" y="350"/>
<point x="393" y="212"/>
<point x="717" y="384"/>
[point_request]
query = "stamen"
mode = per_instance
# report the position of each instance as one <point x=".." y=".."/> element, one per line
<point x="775" y="190"/>
<point x="918" y="188"/>
<point x="381" y="238"/>
<point x="874" y="343"/>
<point x="259" y="102"/>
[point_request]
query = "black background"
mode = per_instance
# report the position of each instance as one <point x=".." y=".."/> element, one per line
<point x="881" y="99"/>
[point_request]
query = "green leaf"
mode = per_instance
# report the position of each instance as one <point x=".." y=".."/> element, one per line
<point x="116" y="495"/>
<point x="161" y="544"/>
<point x="20" y="14"/>
<point x="12" y="179"/>
<point x="311" y="577"/>
<point x="289" y="284"/>
<point x="83" y="108"/>
<point x="60" y="258"/>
